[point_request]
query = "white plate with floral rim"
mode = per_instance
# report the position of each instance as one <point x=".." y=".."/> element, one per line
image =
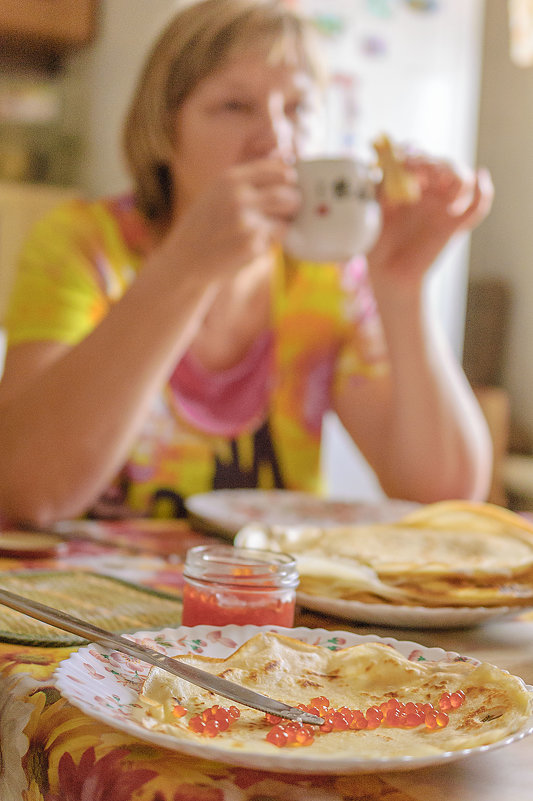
<point x="227" y="511"/>
<point x="105" y="685"/>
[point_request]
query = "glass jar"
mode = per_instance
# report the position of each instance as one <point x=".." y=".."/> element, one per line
<point x="224" y="584"/>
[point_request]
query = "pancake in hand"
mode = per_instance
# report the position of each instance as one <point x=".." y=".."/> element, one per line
<point x="495" y="704"/>
<point x="399" y="185"/>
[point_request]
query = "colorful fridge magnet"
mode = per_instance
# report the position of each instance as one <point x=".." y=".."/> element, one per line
<point x="329" y="24"/>
<point x="374" y="46"/>
<point x="381" y="8"/>
<point x="423" y="5"/>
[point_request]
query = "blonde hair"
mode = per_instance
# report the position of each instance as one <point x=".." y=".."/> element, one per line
<point x="199" y="38"/>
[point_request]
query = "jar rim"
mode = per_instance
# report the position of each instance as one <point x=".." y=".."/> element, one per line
<point x="228" y="564"/>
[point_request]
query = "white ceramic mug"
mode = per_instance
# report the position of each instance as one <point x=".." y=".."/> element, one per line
<point x="339" y="216"/>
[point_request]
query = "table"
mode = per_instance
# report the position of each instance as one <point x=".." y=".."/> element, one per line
<point x="50" y="750"/>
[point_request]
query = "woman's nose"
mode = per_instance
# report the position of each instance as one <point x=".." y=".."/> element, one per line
<point x="274" y="134"/>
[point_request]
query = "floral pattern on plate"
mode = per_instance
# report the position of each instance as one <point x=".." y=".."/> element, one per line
<point x="105" y="684"/>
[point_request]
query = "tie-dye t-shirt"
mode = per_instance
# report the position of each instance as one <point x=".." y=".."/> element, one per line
<point x="257" y="424"/>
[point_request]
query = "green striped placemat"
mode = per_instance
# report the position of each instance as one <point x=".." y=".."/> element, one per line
<point x="113" y="604"/>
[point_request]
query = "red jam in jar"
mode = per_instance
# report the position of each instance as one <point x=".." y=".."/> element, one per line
<point x="224" y="584"/>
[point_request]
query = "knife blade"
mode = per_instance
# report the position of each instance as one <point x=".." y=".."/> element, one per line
<point x="201" y="678"/>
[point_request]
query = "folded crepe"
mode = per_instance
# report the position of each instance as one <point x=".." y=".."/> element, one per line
<point x="452" y="553"/>
<point x="496" y="703"/>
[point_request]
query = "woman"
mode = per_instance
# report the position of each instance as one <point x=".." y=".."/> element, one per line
<point x="163" y="344"/>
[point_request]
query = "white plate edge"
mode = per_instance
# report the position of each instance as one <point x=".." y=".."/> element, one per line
<point x="283" y="762"/>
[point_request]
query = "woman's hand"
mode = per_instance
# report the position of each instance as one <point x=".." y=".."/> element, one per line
<point x="236" y="219"/>
<point x="419" y="426"/>
<point x="414" y="234"/>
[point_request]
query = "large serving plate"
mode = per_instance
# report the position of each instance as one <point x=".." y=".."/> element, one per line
<point x="409" y="617"/>
<point x="106" y="686"/>
<point x="227" y="511"/>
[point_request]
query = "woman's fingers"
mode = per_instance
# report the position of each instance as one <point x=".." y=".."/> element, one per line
<point x="279" y="202"/>
<point x="464" y="195"/>
<point x="269" y="186"/>
<point x="266" y="172"/>
<point x="481" y="201"/>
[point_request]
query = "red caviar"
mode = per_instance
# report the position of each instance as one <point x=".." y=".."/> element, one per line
<point x="213" y="720"/>
<point x="291" y="733"/>
<point x="391" y="713"/>
<point x="216" y="719"/>
<point x="243" y="607"/>
<point x="277" y="736"/>
<point x="457" y="698"/>
<point x="223" y="585"/>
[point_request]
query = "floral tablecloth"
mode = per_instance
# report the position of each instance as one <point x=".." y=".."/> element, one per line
<point x="51" y="751"/>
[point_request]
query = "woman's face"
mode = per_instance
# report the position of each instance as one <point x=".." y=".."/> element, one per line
<point x="246" y="110"/>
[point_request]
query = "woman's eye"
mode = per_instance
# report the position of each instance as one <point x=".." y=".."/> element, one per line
<point x="237" y="105"/>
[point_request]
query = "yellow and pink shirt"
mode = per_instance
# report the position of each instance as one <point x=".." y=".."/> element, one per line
<point x="257" y="424"/>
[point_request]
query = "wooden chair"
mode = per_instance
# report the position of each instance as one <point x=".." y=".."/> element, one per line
<point x="495" y="404"/>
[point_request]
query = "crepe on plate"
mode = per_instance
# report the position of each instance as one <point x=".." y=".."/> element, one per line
<point x="452" y="553"/>
<point x="497" y="704"/>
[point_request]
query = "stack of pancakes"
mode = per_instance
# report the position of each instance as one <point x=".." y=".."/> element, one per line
<point x="452" y="553"/>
